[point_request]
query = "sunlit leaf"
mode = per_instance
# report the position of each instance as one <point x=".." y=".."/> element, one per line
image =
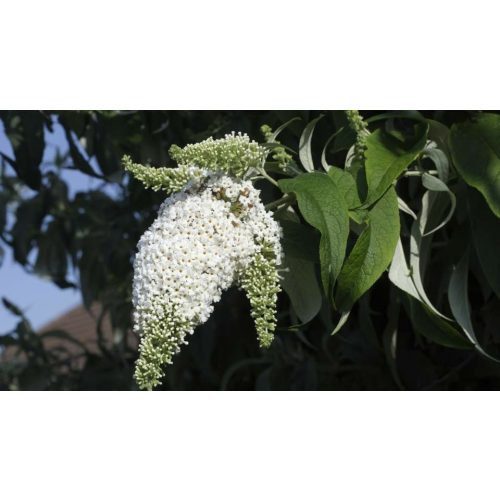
<point x="372" y="252"/>
<point x="323" y="206"/>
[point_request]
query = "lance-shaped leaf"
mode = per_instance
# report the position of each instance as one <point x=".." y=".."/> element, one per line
<point x="475" y="149"/>
<point x="322" y="204"/>
<point x="387" y="158"/>
<point x="305" y="150"/>
<point x="459" y="302"/>
<point x="372" y="252"/>
<point x="433" y="206"/>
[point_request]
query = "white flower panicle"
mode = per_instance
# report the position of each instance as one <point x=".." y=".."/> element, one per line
<point x="213" y="234"/>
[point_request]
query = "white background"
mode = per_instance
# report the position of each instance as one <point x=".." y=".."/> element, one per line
<point x="249" y="55"/>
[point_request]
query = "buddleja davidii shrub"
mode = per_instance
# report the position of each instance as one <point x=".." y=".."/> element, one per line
<point x="341" y="228"/>
<point x="361" y="207"/>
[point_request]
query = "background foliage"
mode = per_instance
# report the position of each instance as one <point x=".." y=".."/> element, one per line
<point x="412" y="328"/>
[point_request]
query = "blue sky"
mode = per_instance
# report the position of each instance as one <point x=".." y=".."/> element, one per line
<point x="40" y="299"/>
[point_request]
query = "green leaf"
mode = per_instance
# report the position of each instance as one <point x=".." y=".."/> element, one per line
<point x="439" y="158"/>
<point x="435" y="328"/>
<point x="433" y="205"/>
<point x="486" y="234"/>
<point x="400" y="274"/>
<point x="300" y="245"/>
<point x="403" y="206"/>
<point x="347" y="185"/>
<point x="322" y="205"/>
<point x="299" y="241"/>
<point x="475" y="148"/>
<point x="434" y="184"/>
<point x="300" y="283"/>
<point x="387" y="158"/>
<point x="459" y="302"/>
<point x="305" y="151"/>
<point x="372" y="252"/>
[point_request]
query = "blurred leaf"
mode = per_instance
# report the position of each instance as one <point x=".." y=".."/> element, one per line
<point x="52" y="261"/>
<point x="62" y="335"/>
<point x="475" y="148"/>
<point x="305" y="151"/>
<point x="80" y="162"/>
<point x="25" y="132"/>
<point x="3" y="211"/>
<point x="372" y="252"/>
<point x="12" y="307"/>
<point x="29" y="216"/>
<point x="386" y="159"/>
<point x="323" y="206"/>
<point x="7" y="340"/>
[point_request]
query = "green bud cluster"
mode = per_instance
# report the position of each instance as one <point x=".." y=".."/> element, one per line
<point x="234" y="155"/>
<point x="170" y="180"/>
<point x="160" y="340"/>
<point x="359" y="126"/>
<point x="260" y="281"/>
<point x="279" y="153"/>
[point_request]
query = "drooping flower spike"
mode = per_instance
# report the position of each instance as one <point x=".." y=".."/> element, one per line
<point x="211" y="233"/>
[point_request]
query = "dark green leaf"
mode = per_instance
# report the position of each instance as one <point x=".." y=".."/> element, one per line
<point x="12" y="307"/>
<point x="486" y="233"/>
<point x="29" y="216"/>
<point x="475" y="148"/>
<point x="25" y="132"/>
<point x="300" y="246"/>
<point x="386" y="159"/>
<point x="52" y="261"/>
<point x="435" y="328"/>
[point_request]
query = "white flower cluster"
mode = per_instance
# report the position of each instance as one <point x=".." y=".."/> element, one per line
<point x="205" y="239"/>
